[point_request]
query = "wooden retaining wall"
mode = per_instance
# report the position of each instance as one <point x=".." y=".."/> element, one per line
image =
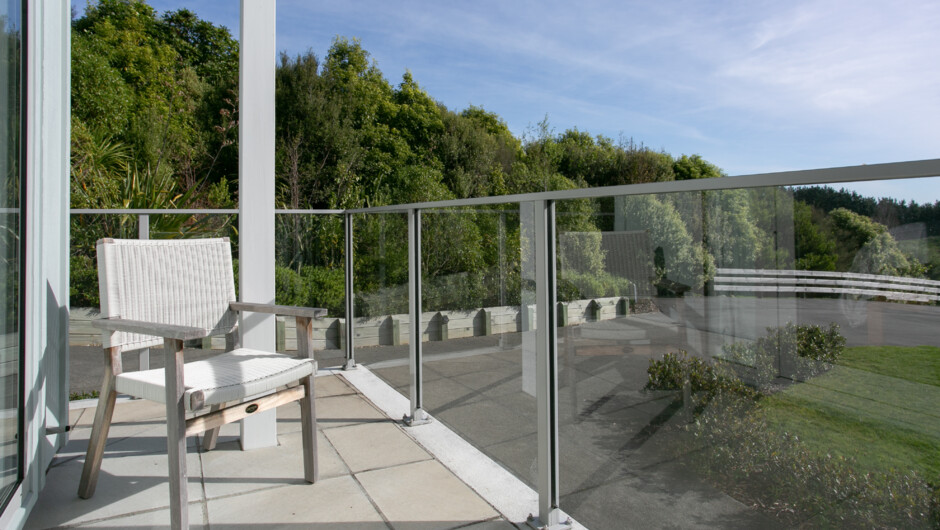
<point x="329" y="333"/>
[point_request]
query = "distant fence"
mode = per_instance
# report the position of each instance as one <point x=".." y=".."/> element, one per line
<point x="825" y="282"/>
<point x="329" y="333"/>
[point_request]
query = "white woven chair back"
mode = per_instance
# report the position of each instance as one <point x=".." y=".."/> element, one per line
<point x="181" y="282"/>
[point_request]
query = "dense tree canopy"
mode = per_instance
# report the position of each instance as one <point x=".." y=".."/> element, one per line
<point x="154" y="123"/>
<point x="152" y="99"/>
<point x="158" y="92"/>
<point x="887" y="211"/>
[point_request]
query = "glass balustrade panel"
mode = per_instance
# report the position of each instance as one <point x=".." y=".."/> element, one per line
<point x="381" y="322"/>
<point x="310" y="272"/>
<point x="750" y="358"/>
<point x="479" y="364"/>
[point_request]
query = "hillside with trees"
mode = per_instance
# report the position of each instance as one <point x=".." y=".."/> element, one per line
<point x="155" y="95"/>
<point x="155" y="123"/>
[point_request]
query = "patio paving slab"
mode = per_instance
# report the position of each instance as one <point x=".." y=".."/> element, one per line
<point x="374" y="446"/>
<point x="151" y="519"/>
<point x="226" y="472"/>
<point x="126" y="485"/>
<point x="499" y="524"/>
<point x="338" y="502"/>
<point x="424" y="495"/>
<point x="138" y="411"/>
<point x="640" y="501"/>
<point x="332" y="386"/>
<point x="342" y="411"/>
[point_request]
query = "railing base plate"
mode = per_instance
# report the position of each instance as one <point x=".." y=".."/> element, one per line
<point x="537" y="524"/>
<point x="420" y="418"/>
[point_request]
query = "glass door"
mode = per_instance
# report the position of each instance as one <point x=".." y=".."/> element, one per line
<point x="11" y="249"/>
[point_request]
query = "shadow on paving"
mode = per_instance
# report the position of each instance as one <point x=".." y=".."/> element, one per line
<point x="618" y="467"/>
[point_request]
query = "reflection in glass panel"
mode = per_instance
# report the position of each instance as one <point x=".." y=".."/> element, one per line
<point x="10" y="257"/>
<point x="380" y="267"/>
<point x="479" y="358"/>
<point x="750" y="358"/>
<point x="311" y="273"/>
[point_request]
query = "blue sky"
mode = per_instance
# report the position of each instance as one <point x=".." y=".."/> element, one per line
<point x="753" y="86"/>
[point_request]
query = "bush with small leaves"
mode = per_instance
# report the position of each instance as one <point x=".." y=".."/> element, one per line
<point x="776" y="471"/>
<point x="675" y="370"/>
<point x="796" y="352"/>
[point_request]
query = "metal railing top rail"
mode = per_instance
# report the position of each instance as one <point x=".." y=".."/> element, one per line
<point x="190" y="211"/>
<point x="467" y="210"/>
<point x="146" y="211"/>
<point x="310" y="212"/>
<point x="890" y="171"/>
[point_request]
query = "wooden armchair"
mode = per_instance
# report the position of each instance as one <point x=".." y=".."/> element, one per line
<point x="167" y="292"/>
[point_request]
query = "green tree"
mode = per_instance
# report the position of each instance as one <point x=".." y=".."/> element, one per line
<point x="477" y="152"/>
<point x="732" y="236"/>
<point x="161" y="86"/>
<point x="684" y="260"/>
<point x="815" y="248"/>
<point x="318" y="150"/>
<point x="868" y="247"/>
<point x="602" y="162"/>
<point x="151" y="123"/>
<point x="695" y="167"/>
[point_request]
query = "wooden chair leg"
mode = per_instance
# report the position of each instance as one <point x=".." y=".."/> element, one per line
<point x="210" y="437"/>
<point x="308" y="422"/>
<point x="176" y="434"/>
<point x="99" y="431"/>
<point x="308" y="411"/>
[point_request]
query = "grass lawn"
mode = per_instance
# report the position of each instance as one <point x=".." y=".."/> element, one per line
<point x="879" y="405"/>
<point x="920" y="364"/>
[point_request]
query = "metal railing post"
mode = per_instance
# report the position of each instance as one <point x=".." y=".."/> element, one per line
<point x="418" y="415"/>
<point x="501" y="260"/>
<point x="143" y="226"/>
<point x="350" y="295"/>
<point x="143" y="232"/>
<point x="546" y="369"/>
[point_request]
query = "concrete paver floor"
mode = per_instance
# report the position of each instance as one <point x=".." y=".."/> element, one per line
<point x="361" y="486"/>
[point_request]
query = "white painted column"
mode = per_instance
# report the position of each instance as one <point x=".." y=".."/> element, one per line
<point x="256" y="192"/>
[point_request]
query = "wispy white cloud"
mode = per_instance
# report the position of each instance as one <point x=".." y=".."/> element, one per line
<point x="753" y="85"/>
<point x="844" y="58"/>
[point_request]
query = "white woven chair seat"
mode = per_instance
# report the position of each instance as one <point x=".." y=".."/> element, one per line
<point x="230" y="376"/>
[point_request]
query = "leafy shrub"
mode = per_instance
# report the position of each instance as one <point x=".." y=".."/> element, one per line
<point x="312" y="287"/>
<point x="581" y="286"/>
<point x="818" y="344"/>
<point x="793" y="351"/>
<point x="83" y="282"/>
<point x="460" y="290"/>
<point x="75" y="396"/>
<point x="775" y="470"/>
<point x="675" y="369"/>
<point x="735" y="446"/>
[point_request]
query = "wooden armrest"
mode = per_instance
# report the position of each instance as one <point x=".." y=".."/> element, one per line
<point x="168" y="331"/>
<point x="287" y="310"/>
